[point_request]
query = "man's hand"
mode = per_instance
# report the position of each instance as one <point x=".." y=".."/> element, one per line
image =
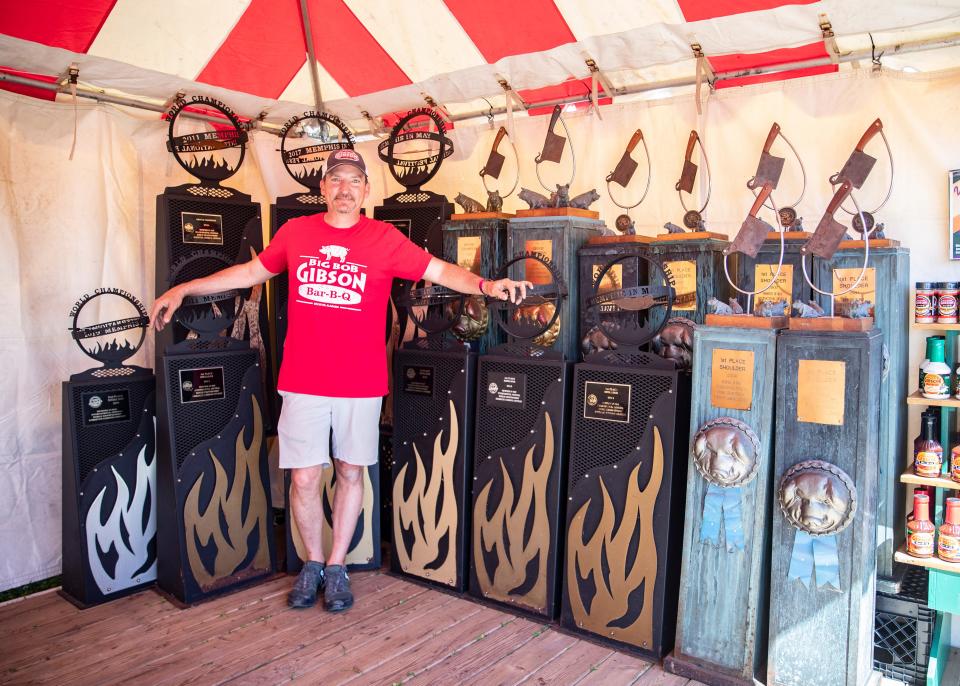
<point x="165" y="306"/>
<point x="503" y="289"/>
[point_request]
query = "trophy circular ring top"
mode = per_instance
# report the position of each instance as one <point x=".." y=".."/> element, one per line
<point x="113" y="353"/>
<point x="624" y="314"/>
<point x="726" y="452"/>
<point x="818" y="497"/>
<point x="187" y="147"/>
<point x="413" y="173"/>
<point x="535" y="316"/>
<point x="206" y="315"/>
<point x="433" y="309"/>
<point x="305" y="140"/>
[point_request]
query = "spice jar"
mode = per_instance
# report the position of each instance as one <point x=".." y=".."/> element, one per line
<point x="925" y="303"/>
<point x="947" y="302"/>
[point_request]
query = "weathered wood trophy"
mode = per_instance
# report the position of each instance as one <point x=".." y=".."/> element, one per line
<point x="434" y="389"/>
<point x="823" y="574"/>
<point x="210" y="219"/>
<point x="215" y="521"/>
<point x="774" y="256"/>
<point x="109" y="475"/>
<point x="305" y="141"/>
<point x="886" y="285"/>
<point x="693" y="256"/>
<point x="600" y="250"/>
<point x="556" y="227"/>
<point x="520" y="449"/>
<point x="721" y="636"/>
<point x="627" y="468"/>
<point x="477" y="240"/>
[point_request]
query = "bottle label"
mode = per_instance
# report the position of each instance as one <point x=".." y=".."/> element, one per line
<point x="923" y="309"/>
<point x="955" y="463"/>
<point x="928" y="463"/>
<point x="920" y="543"/>
<point x="948" y="548"/>
<point x="935" y="384"/>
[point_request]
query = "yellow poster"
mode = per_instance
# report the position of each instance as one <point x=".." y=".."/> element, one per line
<point x="535" y="271"/>
<point x="731" y="379"/>
<point x="468" y="253"/>
<point x="685" y="282"/>
<point x="820" y="389"/>
<point x="865" y="290"/>
<point x="782" y="289"/>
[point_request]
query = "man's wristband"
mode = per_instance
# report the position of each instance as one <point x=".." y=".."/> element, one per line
<point x="480" y="286"/>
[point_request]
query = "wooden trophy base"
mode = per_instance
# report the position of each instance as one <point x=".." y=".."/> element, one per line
<point x="691" y="236"/>
<point x="747" y="321"/>
<point x="480" y="215"/>
<point x="708" y="673"/>
<point x="559" y="212"/>
<point x="617" y="240"/>
<point x="790" y="236"/>
<point x="830" y="324"/>
<point x="874" y="243"/>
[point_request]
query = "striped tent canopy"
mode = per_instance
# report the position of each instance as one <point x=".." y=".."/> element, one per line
<point x="377" y="57"/>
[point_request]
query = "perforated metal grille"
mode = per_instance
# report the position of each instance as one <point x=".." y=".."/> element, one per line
<point x="209" y="192"/>
<point x="500" y="427"/>
<point x="281" y="216"/>
<point x="420" y="223"/>
<point x="414" y="409"/>
<point x="234" y="220"/>
<point x="195" y="422"/>
<point x="598" y="443"/>
<point x="98" y="442"/>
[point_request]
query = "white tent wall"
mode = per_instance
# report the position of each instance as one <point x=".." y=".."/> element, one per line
<point x="68" y="227"/>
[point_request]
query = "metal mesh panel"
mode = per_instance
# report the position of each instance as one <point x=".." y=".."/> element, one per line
<point x="235" y="217"/>
<point x="98" y="442"/>
<point x="499" y="427"/>
<point x="599" y="443"/>
<point x="423" y="222"/>
<point x="413" y="405"/>
<point x="194" y="423"/>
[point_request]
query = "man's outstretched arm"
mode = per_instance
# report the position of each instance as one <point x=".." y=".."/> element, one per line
<point x="459" y="279"/>
<point x="238" y="276"/>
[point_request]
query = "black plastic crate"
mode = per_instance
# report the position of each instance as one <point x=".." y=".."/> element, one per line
<point x="903" y="630"/>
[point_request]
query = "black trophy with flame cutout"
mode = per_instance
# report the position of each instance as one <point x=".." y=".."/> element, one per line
<point x="627" y="473"/>
<point x="109" y="456"/>
<point x="216" y="522"/>
<point x="305" y="142"/>
<point x="417" y="146"/>
<point x="209" y="141"/>
<point x="433" y="394"/>
<point x="520" y="447"/>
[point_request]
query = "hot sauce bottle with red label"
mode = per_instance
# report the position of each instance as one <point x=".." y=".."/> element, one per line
<point x="948" y="545"/>
<point x="920" y="530"/>
<point x="927" y="451"/>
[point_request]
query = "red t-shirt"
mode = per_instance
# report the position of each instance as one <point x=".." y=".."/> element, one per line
<point x="339" y="282"/>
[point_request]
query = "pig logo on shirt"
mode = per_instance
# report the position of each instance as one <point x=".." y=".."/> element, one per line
<point x="338" y="251"/>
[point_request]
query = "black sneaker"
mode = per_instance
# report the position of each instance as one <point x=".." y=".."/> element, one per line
<point x="336" y="595"/>
<point x="304" y="591"/>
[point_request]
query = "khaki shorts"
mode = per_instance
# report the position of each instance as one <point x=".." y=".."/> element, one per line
<point x="306" y="424"/>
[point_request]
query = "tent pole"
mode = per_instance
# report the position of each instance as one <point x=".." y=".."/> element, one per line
<point x="311" y="57"/>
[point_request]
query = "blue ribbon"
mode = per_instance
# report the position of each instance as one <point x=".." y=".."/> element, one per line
<point x="722" y="504"/>
<point x="815" y="552"/>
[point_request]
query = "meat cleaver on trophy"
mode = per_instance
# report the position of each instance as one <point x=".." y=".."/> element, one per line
<point x="829" y="233"/>
<point x="858" y="165"/>
<point x="754" y="230"/>
<point x="770" y="167"/>
<point x="689" y="173"/>
<point x="495" y="160"/>
<point x="627" y="165"/>
<point x="554" y="142"/>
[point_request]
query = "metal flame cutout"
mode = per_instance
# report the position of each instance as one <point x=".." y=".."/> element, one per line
<point x="418" y="511"/>
<point x="231" y="546"/>
<point x="362" y="551"/>
<point x="133" y="566"/>
<point x="605" y="561"/>
<point x="507" y="531"/>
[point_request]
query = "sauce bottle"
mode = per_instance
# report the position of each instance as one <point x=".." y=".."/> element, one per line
<point x="955" y="463"/>
<point x="926" y="360"/>
<point x="920" y="531"/>
<point x="936" y="374"/>
<point x="927" y="451"/>
<point x="948" y="545"/>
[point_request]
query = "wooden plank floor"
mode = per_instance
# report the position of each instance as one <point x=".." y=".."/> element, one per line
<point x="398" y="632"/>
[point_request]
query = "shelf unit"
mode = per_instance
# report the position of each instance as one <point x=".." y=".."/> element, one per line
<point x="916" y="399"/>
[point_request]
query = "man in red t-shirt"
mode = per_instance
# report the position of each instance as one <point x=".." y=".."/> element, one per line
<point x="340" y="267"/>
